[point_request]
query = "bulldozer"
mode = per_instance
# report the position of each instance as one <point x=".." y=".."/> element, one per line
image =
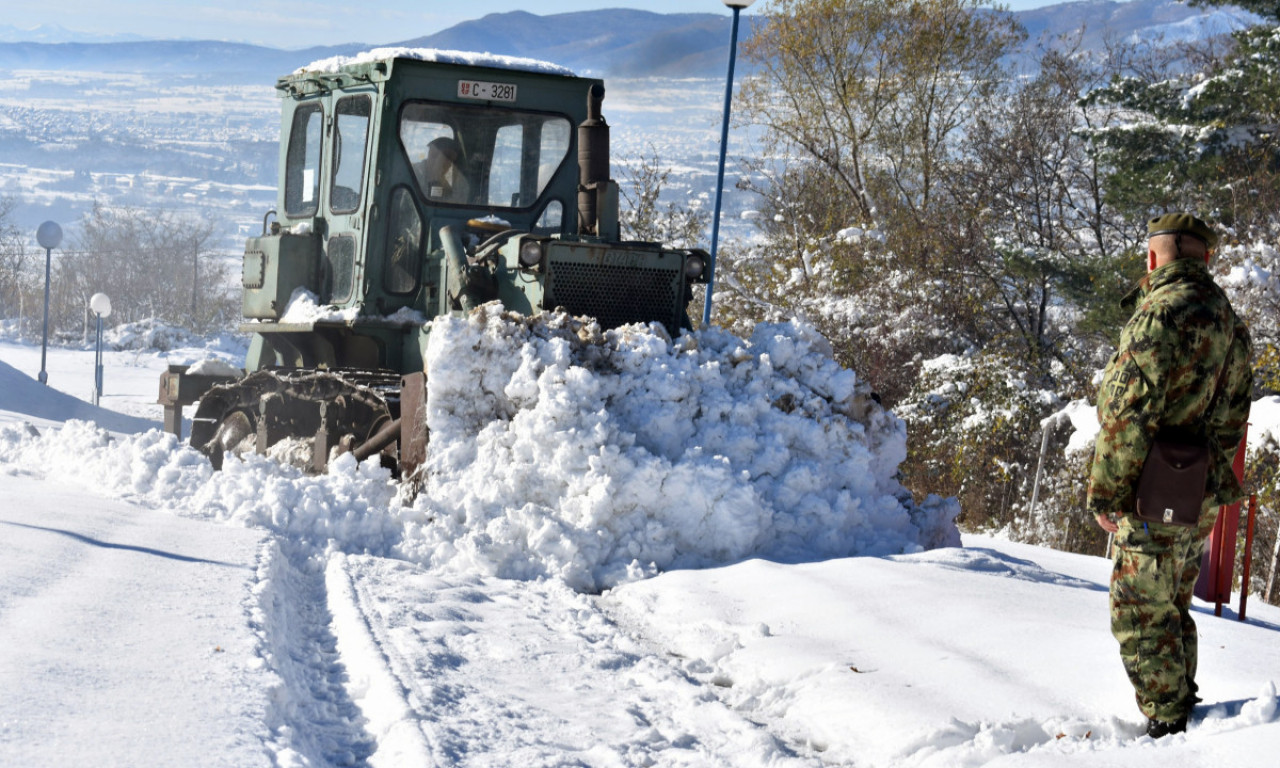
<point x="416" y="184"/>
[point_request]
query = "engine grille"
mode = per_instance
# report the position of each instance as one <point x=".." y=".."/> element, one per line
<point x="617" y="295"/>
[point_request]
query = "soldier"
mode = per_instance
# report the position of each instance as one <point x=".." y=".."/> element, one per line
<point x="1182" y="363"/>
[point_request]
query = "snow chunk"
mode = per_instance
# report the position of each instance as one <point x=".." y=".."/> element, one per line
<point x="1083" y="418"/>
<point x="214" y="367"/>
<point x="494" y="220"/>
<point x="1264" y="422"/>
<point x="468" y="58"/>
<point x="304" y="307"/>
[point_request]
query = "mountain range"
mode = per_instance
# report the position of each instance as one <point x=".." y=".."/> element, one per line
<point x="56" y="33"/>
<point x="613" y="42"/>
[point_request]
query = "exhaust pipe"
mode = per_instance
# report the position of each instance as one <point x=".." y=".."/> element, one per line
<point x="593" y="162"/>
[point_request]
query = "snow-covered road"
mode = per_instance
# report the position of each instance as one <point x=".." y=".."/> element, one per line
<point x="500" y="672"/>
<point x="125" y="635"/>
<point x="153" y="613"/>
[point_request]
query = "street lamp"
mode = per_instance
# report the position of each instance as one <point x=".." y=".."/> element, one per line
<point x="49" y="236"/>
<point x="737" y="6"/>
<point x="101" y="306"/>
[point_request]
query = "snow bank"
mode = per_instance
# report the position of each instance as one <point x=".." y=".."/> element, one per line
<point x="558" y="451"/>
<point x="353" y="507"/>
<point x="595" y="458"/>
<point x="21" y="394"/>
<point x="149" y="334"/>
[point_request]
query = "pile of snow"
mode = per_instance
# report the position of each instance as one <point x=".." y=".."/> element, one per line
<point x="558" y="451"/>
<point x="149" y="334"/>
<point x="466" y="58"/>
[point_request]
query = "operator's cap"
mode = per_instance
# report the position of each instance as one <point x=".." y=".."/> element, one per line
<point x="1184" y="224"/>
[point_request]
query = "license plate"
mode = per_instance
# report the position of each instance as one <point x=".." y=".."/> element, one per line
<point x="478" y="89"/>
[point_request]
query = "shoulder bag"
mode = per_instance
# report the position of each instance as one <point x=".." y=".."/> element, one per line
<point x="1172" y="484"/>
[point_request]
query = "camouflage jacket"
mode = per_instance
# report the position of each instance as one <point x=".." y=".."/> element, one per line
<point x="1163" y="375"/>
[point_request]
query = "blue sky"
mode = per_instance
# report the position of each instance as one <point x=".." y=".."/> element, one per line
<point x="294" y="24"/>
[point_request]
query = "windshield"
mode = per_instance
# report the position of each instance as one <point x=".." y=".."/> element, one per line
<point x="482" y="156"/>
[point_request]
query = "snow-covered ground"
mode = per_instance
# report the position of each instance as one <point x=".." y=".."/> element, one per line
<point x="155" y="613"/>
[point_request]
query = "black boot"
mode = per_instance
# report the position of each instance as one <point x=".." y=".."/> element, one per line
<point x="1159" y="728"/>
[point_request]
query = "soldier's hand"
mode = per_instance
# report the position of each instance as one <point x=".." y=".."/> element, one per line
<point x="1106" y="523"/>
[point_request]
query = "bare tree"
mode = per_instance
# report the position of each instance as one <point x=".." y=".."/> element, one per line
<point x="876" y="92"/>
<point x="153" y="264"/>
<point x="864" y="105"/>
<point x="15" y="261"/>
<point x="647" y="216"/>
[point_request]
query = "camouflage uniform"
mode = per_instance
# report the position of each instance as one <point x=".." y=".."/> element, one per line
<point x="1164" y="373"/>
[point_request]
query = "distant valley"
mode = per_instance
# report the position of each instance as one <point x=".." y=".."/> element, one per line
<point x="610" y="43"/>
<point x="193" y="125"/>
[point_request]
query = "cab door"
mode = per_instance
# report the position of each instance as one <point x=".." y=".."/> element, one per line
<point x="344" y="196"/>
<point x="326" y="161"/>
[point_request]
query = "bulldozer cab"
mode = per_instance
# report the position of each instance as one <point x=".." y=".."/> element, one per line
<point x="378" y="157"/>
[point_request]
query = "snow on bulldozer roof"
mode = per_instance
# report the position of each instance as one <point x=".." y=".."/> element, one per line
<point x="468" y="58"/>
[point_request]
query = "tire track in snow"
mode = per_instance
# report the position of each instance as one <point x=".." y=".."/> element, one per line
<point x="312" y="719"/>
<point x="496" y="672"/>
<point x="376" y="681"/>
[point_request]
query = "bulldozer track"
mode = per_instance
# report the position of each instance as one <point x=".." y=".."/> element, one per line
<point x="329" y="408"/>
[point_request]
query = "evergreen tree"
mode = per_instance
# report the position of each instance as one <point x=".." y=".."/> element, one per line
<point x="1207" y="139"/>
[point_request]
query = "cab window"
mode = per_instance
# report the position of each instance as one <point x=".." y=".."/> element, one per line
<point x="302" y="163"/>
<point x="351" y="133"/>
<point x="482" y="156"/>
<point x="404" y="244"/>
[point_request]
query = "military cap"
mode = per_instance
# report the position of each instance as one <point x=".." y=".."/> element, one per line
<point x="1184" y="224"/>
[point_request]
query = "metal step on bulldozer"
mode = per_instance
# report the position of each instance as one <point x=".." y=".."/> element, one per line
<point x="412" y="185"/>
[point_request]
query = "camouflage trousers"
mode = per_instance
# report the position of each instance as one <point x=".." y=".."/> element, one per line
<point x="1152" y="581"/>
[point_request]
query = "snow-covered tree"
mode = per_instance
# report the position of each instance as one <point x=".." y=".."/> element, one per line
<point x="1208" y="138"/>
<point x="650" y="215"/>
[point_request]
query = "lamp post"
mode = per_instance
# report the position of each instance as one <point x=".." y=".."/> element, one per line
<point x="195" y="280"/>
<point x="737" y="6"/>
<point x="49" y="235"/>
<point x="101" y="306"/>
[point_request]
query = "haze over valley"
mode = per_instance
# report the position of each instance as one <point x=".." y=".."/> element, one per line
<point x="192" y="127"/>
